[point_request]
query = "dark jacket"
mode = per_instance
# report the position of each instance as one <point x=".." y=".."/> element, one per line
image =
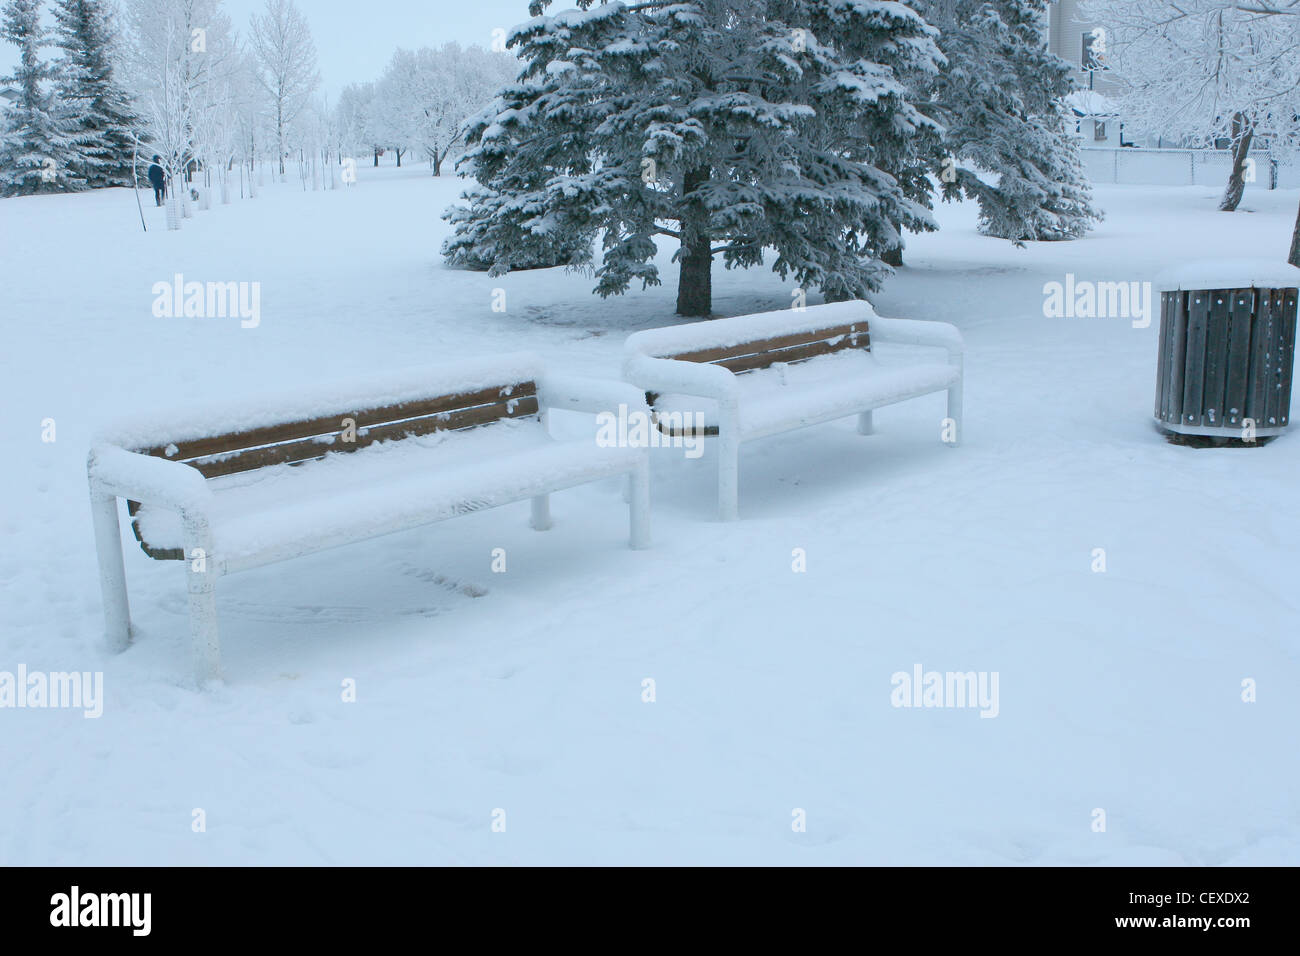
<point x="156" y="177"/>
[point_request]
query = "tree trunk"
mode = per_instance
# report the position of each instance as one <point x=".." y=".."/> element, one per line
<point x="894" y="256"/>
<point x="437" y="163"/>
<point x="1294" y="258"/>
<point x="1242" y="133"/>
<point x="695" y="284"/>
<point x="695" y="287"/>
<point x="399" y="159"/>
<point x="376" y="157"/>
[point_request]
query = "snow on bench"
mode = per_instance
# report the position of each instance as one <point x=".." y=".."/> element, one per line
<point x="757" y="375"/>
<point x="243" y="485"/>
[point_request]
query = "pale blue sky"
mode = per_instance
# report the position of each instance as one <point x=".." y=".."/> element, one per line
<point x="355" y="38"/>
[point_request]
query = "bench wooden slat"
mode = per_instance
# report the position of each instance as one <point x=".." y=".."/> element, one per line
<point x="309" y="440"/>
<point x="858" y="332"/>
<point x="333" y="424"/>
<point x="801" y="353"/>
<point x="158" y="554"/>
<point x="763" y="353"/>
<point x="310" y="449"/>
<point x="750" y="363"/>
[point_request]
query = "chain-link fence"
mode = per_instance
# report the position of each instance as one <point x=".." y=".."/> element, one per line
<point x="1188" y="167"/>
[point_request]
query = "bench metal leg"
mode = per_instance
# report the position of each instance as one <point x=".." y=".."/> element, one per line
<point x="201" y="581"/>
<point x="954" y="411"/>
<point x="112" y="571"/>
<point x="865" y="426"/>
<point x="728" y="476"/>
<point x="541" y="517"/>
<point x="639" y="505"/>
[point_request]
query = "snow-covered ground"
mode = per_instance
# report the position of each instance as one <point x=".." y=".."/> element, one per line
<point x="523" y="691"/>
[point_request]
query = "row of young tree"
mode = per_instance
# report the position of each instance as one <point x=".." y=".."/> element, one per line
<point x="178" y="81"/>
<point x="816" y="133"/>
<point x="421" y="102"/>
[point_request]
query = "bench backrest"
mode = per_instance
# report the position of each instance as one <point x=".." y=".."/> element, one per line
<point x="794" y="347"/>
<point x="348" y="430"/>
<point x="301" y="440"/>
<point x="761" y="353"/>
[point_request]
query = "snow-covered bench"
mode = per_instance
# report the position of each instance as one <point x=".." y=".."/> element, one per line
<point x="249" y="484"/>
<point x="757" y="375"/>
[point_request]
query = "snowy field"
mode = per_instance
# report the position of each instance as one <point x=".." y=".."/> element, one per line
<point x="522" y="691"/>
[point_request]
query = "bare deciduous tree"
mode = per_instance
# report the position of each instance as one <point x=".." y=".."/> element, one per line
<point x="286" y="61"/>
<point x="1204" y="70"/>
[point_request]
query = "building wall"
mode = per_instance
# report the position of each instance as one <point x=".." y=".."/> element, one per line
<point x="1087" y="129"/>
<point x="1065" y="39"/>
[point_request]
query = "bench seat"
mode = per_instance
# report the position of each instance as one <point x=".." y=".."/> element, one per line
<point x="823" y="389"/>
<point x="277" y="512"/>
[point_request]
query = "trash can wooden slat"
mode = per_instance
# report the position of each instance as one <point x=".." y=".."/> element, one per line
<point x="1227" y="348"/>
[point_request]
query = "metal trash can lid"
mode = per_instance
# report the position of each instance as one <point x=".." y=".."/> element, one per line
<point x="1228" y="274"/>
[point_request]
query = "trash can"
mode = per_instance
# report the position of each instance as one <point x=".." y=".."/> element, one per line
<point x="1227" y="346"/>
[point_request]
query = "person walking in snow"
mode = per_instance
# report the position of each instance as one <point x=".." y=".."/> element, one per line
<point x="158" y="180"/>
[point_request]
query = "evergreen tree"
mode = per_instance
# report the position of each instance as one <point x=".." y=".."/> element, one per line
<point x="38" y="138"/>
<point x="730" y="126"/>
<point x="88" y="85"/>
<point x="1000" y="98"/>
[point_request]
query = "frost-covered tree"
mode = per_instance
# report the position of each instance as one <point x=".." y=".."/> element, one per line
<point x="1000" y="98"/>
<point x="395" y="96"/>
<point x="313" y="133"/>
<point x="196" y="35"/>
<point x="180" y="55"/>
<point x="249" y="119"/>
<point x="286" y="60"/>
<point x="389" y="109"/>
<point x="1202" y="70"/>
<point x="167" y="111"/>
<point x="734" y="128"/>
<point x="89" y="87"/>
<point x="39" y="139"/>
<point x="213" y="136"/>
<point x="354" y="119"/>
<point x="425" y="96"/>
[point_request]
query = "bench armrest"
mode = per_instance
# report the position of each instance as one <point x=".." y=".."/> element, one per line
<point x="149" y="480"/>
<point x="595" y="395"/>
<point x="672" y="376"/>
<point x="918" y="332"/>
